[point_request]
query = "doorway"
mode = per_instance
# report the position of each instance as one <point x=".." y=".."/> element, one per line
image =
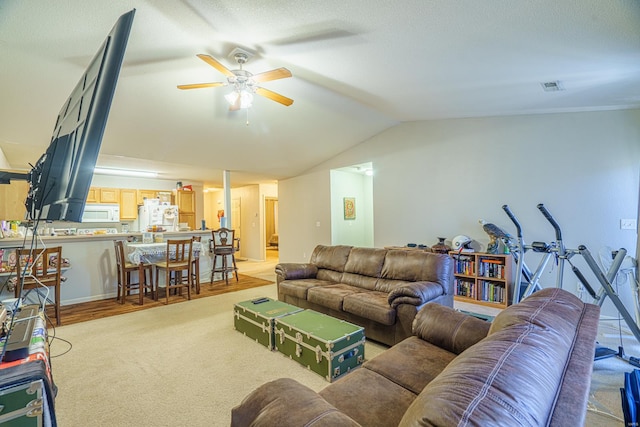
<point x="271" y="227"/>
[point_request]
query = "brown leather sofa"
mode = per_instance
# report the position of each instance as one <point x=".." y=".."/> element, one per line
<point x="530" y="367"/>
<point x="378" y="289"/>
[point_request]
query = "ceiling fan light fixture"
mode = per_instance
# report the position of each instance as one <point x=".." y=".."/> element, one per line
<point x="246" y="98"/>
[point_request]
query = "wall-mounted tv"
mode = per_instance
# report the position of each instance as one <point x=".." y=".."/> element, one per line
<point x="60" y="180"/>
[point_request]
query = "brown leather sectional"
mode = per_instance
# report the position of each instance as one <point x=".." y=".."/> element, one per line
<point x="378" y="289"/>
<point x="530" y="367"/>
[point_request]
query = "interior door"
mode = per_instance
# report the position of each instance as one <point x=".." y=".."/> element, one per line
<point x="270" y="221"/>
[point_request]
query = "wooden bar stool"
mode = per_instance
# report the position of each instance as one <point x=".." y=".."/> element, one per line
<point x="195" y="266"/>
<point x="124" y="270"/>
<point x="177" y="268"/>
<point x="223" y="250"/>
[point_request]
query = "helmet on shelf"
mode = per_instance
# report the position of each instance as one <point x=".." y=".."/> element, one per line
<point x="460" y="242"/>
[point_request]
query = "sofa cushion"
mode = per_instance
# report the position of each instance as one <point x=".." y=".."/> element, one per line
<point x="363" y="267"/>
<point x="329" y="275"/>
<point x="448" y="329"/>
<point x="330" y="257"/>
<point x="514" y="375"/>
<point x="272" y="402"/>
<point x="331" y="296"/>
<point x="412" y="363"/>
<point x="417" y="266"/>
<point x="559" y="307"/>
<point x="388" y="285"/>
<point x="370" y="305"/>
<point x="368" y="398"/>
<point x="299" y="288"/>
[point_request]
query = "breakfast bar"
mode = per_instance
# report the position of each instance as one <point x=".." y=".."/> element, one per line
<point x="92" y="275"/>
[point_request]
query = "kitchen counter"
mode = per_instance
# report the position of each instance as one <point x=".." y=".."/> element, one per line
<point x="92" y="275"/>
<point x="13" y="242"/>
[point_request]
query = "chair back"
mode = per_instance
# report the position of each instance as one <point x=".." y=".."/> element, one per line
<point x="179" y="252"/>
<point x="196" y="254"/>
<point x="223" y="241"/>
<point x="118" y="245"/>
<point x="36" y="267"/>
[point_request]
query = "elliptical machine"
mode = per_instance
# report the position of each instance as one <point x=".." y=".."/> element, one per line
<point x="557" y="250"/>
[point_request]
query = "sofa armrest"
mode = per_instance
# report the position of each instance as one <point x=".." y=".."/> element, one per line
<point x="295" y="271"/>
<point x="449" y="329"/>
<point x="287" y="403"/>
<point x="414" y="293"/>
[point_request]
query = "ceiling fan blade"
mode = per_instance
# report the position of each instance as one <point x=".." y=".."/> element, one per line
<point x="279" y="73"/>
<point x="274" y="96"/>
<point x="215" y="64"/>
<point x="201" y="85"/>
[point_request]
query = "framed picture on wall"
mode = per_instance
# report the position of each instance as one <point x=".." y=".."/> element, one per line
<point x="349" y="208"/>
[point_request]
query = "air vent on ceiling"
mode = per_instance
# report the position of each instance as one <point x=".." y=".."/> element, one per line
<point x="552" y="86"/>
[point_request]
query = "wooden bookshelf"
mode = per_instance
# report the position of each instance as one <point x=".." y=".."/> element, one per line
<point x="481" y="278"/>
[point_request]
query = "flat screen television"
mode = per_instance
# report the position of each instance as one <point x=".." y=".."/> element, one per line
<point x="60" y="180"/>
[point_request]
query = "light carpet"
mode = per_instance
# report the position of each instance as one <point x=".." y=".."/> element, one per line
<point x="605" y="404"/>
<point x="184" y="364"/>
<point x="176" y="365"/>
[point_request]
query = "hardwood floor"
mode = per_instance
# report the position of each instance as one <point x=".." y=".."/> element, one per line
<point x="76" y="313"/>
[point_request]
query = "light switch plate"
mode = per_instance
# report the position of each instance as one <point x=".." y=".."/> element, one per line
<point x="627" y="224"/>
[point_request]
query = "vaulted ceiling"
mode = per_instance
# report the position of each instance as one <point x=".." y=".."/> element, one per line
<point x="359" y="67"/>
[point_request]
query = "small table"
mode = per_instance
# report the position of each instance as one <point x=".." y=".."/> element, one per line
<point x="152" y="253"/>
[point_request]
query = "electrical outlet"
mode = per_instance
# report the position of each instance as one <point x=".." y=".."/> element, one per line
<point x="627" y="224"/>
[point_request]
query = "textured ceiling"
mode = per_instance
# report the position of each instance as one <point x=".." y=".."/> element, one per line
<point x="359" y="67"/>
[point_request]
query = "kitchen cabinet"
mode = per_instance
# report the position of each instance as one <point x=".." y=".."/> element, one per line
<point x="164" y="196"/>
<point x="146" y="194"/>
<point x="186" y="201"/>
<point x="109" y="195"/>
<point x="93" y="196"/>
<point x="12" y="197"/>
<point x="128" y="204"/>
<point x="103" y="195"/>
<point x="188" y="218"/>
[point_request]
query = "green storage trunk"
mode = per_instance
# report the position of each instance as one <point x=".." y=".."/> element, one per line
<point x="23" y="405"/>
<point x="256" y="319"/>
<point x="328" y="346"/>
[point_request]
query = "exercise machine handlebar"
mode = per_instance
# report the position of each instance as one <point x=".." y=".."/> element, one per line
<point x="553" y="222"/>
<point x="513" y="219"/>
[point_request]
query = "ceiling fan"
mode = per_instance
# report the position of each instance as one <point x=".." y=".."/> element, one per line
<point x="245" y="84"/>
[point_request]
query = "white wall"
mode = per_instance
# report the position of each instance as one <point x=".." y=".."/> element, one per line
<point x="359" y="231"/>
<point x="437" y="178"/>
<point x="305" y="215"/>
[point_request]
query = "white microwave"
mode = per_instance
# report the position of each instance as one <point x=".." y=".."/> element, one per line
<point x="95" y="212"/>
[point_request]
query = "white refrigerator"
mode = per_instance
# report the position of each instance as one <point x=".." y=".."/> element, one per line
<point x="153" y="212"/>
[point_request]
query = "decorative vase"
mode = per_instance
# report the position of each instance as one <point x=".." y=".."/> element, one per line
<point x="440" y="247"/>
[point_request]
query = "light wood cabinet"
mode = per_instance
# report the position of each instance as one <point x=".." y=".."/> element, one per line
<point x="186" y="201"/>
<point x="103" y="195"/>
<point x="128" y="204"/>
<point x="12" y="197"/>
<point x="189" y="218"/>
<point x="93" y="196"/>
<point x="165" y="197"/>
<point x="146" y="194"/>
<point x="109" y="195"/>
<point x="485" y="279"/>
